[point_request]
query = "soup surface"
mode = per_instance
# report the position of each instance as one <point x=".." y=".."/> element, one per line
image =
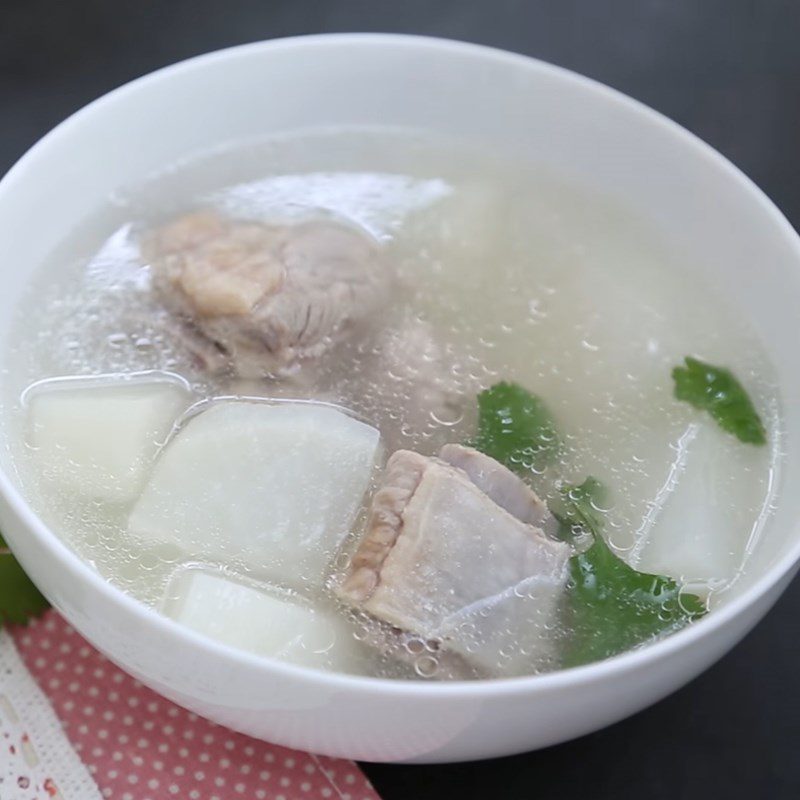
<point x="502" y="274"/>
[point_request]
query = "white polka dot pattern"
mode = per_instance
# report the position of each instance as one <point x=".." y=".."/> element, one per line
<point x="139" y="746"/>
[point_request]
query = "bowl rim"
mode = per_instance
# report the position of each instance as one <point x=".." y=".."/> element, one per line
<point x="620" y="664"/>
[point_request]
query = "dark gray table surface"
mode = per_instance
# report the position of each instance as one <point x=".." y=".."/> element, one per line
<point x="729" y="70"/>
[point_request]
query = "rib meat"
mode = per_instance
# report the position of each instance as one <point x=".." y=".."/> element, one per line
<point x="454" y="552"/>
<point x="261" y="299"/>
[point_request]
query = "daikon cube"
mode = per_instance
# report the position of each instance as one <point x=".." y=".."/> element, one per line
<point x="98" y="437"/>
<point x="274" y="487"/>
<point x="700" y="522"/>
<point x="268" y="625"/>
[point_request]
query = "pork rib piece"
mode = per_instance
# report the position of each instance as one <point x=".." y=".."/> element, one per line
<point x="450" y="554"/>
<point x="261" y="299"/>
<point x="501" y="485"/>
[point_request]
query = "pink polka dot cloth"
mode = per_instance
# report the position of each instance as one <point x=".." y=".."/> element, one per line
<point x="139" y="746"/>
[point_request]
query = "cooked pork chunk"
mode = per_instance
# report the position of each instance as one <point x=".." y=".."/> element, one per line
<point x="450" y="554"/>
<point x="500" y="485"/>
<point x="261" y="299"/>
<point x="427" y="389"/>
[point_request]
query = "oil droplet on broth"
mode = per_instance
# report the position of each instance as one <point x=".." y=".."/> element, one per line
<point x="426" y="666"/>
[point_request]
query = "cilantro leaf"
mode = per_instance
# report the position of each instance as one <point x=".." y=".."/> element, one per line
<point x="611" y="606"/>
<point x="580" y="509"/>
<point x="516" y="428"/>
<point x="19" y="598"/>
<point x="716" y="390"/>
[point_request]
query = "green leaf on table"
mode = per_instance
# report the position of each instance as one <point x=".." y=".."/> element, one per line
<point x="516" y="428"/>
<point x="19" y="598"/>
<point x="611" y="606"/>
<point x="716" y="390"/>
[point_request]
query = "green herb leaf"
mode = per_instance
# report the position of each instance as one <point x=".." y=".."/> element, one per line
<point x="612" y="607"/>
<point x="516" y="428"/>
<point x="716" y="390"/>
<point x="19" y="598"/>
<point x="580" y="509"/>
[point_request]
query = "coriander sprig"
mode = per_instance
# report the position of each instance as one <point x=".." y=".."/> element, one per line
<point x="19" y="598"/>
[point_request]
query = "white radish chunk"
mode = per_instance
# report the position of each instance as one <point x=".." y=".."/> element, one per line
<point x="275" y="487"/>
<point x="97" y="437"/>
<point x="693" y="531"/>
<point x="267" y="625"/>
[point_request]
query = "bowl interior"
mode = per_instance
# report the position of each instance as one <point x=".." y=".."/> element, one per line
<point x="542" y="114"/>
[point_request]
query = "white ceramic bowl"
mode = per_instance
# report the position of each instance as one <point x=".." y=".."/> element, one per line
<point x="503" y="101"/>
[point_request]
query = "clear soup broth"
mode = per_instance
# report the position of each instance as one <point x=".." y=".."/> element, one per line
<point x="503" y="272"/>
